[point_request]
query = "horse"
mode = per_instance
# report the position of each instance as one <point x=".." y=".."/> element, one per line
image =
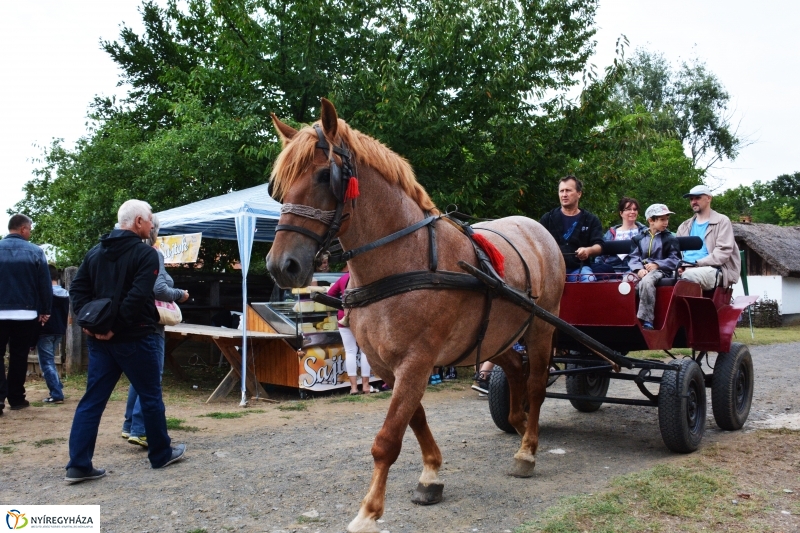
<point x="408" y="327"/>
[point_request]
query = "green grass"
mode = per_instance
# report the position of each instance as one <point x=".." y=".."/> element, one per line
<point x="308" y="520"/>
<point x="361" y="398"/>
<point x="293" y="406"/>
<point x="229" y="414"/>
<point x="45" y="442"/>
<point x="767" y="335"/>
<point x="6" y="449"/>
<point x="177" y="424"/>
<point x="699" y="496"/>
<point x="198" y="530"/>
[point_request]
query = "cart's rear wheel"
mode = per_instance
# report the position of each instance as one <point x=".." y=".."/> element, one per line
<point x="682" y="406"/>
<point x="500" y="400"/>
<point x="732" y="387"/>
<point x="591" y="384"/>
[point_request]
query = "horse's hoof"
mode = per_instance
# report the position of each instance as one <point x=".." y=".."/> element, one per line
<point x="363" y="525"/>
<point x="522" y="468"/>
<point x="428" y="494"/>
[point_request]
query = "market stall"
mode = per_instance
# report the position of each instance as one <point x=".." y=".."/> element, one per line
<point x="278" y="344"/>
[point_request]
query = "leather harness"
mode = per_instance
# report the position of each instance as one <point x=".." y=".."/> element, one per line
<point x="402" y="282"/>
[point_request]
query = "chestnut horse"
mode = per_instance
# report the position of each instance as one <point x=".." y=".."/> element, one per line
<point x="408" y="333"/>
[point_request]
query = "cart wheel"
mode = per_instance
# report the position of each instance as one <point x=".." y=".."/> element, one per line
<point x="732" y="387"/>
<point x="682" y="406"/>
<point x="593" y="384"/>
<point x="304" y="395"/>
<point x="500" y="400"/>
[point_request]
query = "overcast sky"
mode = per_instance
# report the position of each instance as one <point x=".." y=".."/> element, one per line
<point x="51" y="67"/>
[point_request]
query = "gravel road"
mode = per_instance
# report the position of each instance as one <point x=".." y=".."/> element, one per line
<point x="263" y="472"/>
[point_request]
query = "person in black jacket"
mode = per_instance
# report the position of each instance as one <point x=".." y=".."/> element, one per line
<point x="50" y="337"/>
<point x="578" y="232"/>
<point x="655" y="254"/>
<point x="130" y="346"/>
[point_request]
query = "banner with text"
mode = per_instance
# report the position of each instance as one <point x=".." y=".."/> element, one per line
<point x="180" y="248"/>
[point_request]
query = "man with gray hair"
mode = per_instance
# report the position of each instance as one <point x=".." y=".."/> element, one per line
<point x="25" y="301"/>
<point x="124" y="269"/>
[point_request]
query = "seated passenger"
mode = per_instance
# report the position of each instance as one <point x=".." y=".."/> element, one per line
<point x="654" y="255"/>
<point x="628" y="209"/>
<point x="717" y="262"/>
<point x="578" y="232"/>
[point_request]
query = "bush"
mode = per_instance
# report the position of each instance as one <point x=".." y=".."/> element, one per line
<point x="766" y="314"/>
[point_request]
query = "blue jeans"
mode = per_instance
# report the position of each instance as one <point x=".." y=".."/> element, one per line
<point x="47" y="362"/>
<point x="584" y="273"/>
<point x="138" y="359"/>
<point x="134" y="420"/>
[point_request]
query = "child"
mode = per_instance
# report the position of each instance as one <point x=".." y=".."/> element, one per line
<point x="654" y="255"/>
<point x="50" y="337"/>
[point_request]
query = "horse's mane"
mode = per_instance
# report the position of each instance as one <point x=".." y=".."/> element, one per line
<point x="298" y="154"/>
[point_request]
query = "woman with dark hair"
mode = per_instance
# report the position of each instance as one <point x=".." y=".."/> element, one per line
<point x="628" y="209"/>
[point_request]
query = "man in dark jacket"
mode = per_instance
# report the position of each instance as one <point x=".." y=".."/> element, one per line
<point x="130" y="346"/>
<point x="578" y="232"/>
<point x="50" y="337"/>
<point x="25" y="300"/>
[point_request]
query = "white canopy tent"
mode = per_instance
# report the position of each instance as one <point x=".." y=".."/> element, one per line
<point x="242" y="216"/>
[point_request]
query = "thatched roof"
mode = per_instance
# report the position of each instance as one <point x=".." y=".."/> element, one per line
<point x="777" y="245"/>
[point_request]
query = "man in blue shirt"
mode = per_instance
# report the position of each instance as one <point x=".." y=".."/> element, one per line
<point x="717" y="262"/>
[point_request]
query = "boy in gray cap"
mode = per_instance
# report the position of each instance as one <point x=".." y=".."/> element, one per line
<point x="654" y="255"/>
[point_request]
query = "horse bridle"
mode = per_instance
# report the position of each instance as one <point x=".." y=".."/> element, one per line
<point x="340" y="177"/>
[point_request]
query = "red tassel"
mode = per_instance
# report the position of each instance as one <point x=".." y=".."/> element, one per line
<point x="497" y="259"/>
<point x="352" y="189"/>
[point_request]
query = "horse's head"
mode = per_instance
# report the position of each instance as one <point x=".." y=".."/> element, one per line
<point x="314" y="177"/>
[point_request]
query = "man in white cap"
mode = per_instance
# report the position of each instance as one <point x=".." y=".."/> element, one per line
<point x="717" y="262"/>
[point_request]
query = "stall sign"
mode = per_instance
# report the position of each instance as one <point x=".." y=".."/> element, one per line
<point x="180" y="248"/>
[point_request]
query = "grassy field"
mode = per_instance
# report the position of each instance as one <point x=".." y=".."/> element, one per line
<point x="736" y="487"/>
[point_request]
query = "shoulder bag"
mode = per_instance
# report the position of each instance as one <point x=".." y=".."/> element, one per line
<point x="98" y="315"/>
<point x="169" y="313"/>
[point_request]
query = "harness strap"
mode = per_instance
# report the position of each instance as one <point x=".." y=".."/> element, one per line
<point x="346" y="256"/>
<point x="434" y="257"/>
<point x="407" y="282"/>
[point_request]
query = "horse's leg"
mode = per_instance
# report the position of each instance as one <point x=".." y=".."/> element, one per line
<point x="539" y="340"/>
<point x="429" y="490"/>
<point x="409" y="387"/>
<point x="511" y="363"/>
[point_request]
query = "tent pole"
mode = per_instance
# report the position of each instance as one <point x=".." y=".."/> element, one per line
<point x="243" y="402"/>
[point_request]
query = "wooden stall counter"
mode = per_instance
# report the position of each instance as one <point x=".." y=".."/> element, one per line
<point x="265" y="353"/>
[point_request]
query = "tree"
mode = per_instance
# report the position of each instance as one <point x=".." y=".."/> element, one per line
<point x="689" y="102"/>
<point x="456" y="86"/>
<point x="772" y="202"/>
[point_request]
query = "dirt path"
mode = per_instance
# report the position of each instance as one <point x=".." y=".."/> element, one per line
<point x="262" y="472"/>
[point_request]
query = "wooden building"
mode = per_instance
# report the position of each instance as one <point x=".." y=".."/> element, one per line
<point x="773" y="264"/>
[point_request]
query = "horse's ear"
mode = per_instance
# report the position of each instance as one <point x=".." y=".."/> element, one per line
<point x="329" y="119"/>
<point x="285" y="132"/>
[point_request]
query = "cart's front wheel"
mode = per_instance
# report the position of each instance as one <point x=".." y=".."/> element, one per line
<point x="591" y="384"/>
<point x="682" y="406"/>
<point x="500" y="400"/>
<point x="732" y="387"/>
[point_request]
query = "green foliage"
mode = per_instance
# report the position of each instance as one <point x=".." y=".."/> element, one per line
<point x="688" y="103"/>
<point x="471" y="92"/>
<point x="772" y="202"/>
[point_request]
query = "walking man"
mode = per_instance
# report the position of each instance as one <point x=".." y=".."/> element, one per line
<point x="717" y="263"/>
<point x="578" y="232"/>
<point x="25" y="300"/>
<point x="130" y="346"/>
